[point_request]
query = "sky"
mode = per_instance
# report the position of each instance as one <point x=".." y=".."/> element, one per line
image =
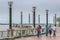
<point x="26" y="7"/>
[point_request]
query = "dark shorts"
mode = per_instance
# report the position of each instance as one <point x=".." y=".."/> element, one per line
<point x="50" y="32"/>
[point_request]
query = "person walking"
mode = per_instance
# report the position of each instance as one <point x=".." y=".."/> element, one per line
<point x="38" y="28"/>
<point x="50" y="30"/>
<point x="47" y="30"/>
<point x="54" y="30"/>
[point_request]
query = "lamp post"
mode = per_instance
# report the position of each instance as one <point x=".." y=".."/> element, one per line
<point x="10" y="31"/>
<point x="38" y="19"/>
<point x="29" y="19"/>
<point x="47" y="17"/>
<point x="10" y="14"/>
<point x="55" y="19"/>
<point x="34" y="8"/>
<point x="46" y="22"/>
<point x="21" y="17"/>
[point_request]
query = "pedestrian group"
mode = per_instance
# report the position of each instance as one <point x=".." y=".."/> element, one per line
<point x="49" y="30"/>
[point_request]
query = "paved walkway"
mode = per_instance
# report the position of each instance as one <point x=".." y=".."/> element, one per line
<point x="43" y="37"/>
<point x="40" y="38"/>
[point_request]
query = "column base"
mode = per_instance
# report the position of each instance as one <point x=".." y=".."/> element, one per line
<point x="10" y="33"/>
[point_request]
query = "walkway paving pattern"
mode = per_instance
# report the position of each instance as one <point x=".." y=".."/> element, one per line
<point x="43" y="37"/>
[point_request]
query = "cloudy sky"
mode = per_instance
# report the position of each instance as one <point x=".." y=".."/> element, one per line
<point x="26" y="7"/>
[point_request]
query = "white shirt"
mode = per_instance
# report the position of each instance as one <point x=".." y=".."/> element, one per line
<point x="53" y="28"/>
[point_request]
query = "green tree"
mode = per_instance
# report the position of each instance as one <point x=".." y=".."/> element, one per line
<point x="58" y="20"/>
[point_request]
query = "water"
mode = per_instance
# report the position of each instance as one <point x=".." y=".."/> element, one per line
<point x="4" y="27"/>
<point x="4" y="32"/>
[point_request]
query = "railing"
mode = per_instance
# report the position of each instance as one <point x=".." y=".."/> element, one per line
<point x="24" y="32"/>
<point x="27" y="32"/>
<point x="19" y="33"/>
<point x="3" y="34"/>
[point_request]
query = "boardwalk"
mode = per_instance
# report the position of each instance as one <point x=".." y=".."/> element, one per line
<point x="43" y="37"/>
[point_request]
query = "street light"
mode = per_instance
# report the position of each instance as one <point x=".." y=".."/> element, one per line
<point x="38" y="19"/>
<point x="21" y="19"/>
<point x="46" y="22"/>
<point x="29" y="20"/>
<point x="47" y="17"/>
<point x="10" y="4"/>
<point x="55" y="19"/>
<point x="10" y="14"/>
<point x="34" y="8"/>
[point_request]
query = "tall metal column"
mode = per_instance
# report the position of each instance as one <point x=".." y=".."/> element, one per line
<point x="10" y="30"/>
<point x="10" y="14"/>
<point x="47" y="17"/>
<point x="34" y="8"/>
<point x="21" y="17"/>
<point x="39" y="19"/>
<point x="29" y="19"/>
<point x="55" y="19"/>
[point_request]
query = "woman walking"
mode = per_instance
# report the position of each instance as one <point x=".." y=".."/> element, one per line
<point x="38" y="28"/>
<point x="54" y="30"/>
<point x="50" y="30"/>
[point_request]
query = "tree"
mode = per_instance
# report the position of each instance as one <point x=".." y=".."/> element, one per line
<point x="58" y="20"/>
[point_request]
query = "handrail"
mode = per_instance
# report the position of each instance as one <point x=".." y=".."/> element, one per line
<point x="19" y="33"/>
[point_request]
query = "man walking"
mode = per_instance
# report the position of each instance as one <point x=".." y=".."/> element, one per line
<point x="47" y="30"/>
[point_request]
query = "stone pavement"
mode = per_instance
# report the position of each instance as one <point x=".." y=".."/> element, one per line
<point x="43" y="37"/>
<point x="40" y="38"/>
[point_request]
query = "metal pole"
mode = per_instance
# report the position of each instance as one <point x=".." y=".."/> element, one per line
<point x="55" y="19"/>
<point x="29" y="19"/>
<point x="34" y="8"/>
<point x="10" y="31"/>
<point x="39" y="19"/>
<point x="10" y="14"/>
<point x="47" y="17"/>
<point x="21" y="17"/>
<point x="46" y="22"/>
